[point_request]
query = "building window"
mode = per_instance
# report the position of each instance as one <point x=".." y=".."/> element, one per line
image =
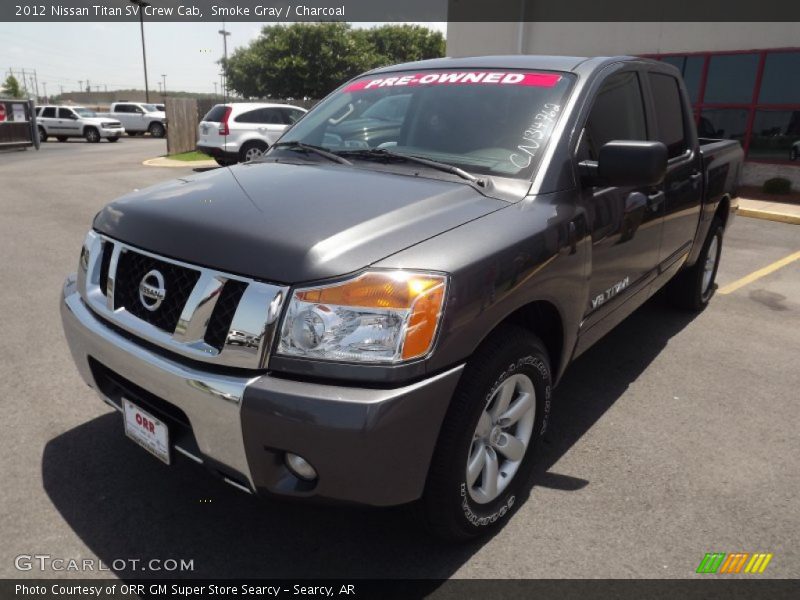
<point x="751" y="96"/>
<point x="731" y="78"/>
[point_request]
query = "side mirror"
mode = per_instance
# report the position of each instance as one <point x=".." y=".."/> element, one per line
<point x="627" y="163"/>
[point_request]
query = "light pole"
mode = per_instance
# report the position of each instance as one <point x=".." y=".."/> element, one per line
<point x="142" y="4"/>
<point x="224" y="33"/>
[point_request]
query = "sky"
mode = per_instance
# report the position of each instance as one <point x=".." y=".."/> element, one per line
<point x="110" y="54"/>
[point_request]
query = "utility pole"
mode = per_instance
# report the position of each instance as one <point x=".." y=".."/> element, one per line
<point x="142" y="4"/>
<point x="88" y="87"/>
<point x="164" y="87"/>
<point x="44" y="85"/>
<point x="80" y="85"/>
<point x="36" y="84"/>
<point x="215" y="90"/>
<point x="224" y="33"/>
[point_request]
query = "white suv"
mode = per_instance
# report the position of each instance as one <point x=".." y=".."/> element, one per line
<point x="240" y="132"/>
<point x="62" y="122"/>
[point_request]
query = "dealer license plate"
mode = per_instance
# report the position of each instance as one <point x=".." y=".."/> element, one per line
<point x="147" y="431"/>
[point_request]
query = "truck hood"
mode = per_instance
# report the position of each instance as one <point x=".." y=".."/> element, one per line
<point x="289" y="223"/>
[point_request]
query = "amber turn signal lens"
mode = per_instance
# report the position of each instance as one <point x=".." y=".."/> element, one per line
<point x="420" y="293"/>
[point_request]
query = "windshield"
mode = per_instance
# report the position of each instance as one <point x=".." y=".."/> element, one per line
<point x="150" y="107"/>
<point x="485" y="122"/>
<point x="85" y="112"/>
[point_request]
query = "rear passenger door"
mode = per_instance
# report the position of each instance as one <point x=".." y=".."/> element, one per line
<point x="625" y="222"/>
<point x="47" y="119"/>
<point x="683" y="185"/>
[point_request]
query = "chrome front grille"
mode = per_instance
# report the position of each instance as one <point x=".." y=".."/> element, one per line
<point x="205" y="315"/>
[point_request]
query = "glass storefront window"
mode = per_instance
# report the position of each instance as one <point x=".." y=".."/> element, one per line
<point x="731" y="78"/>
<point x="775" y="135"/>
<point x="780" y="83"/>
<point x="752" y="97"/>
<point x="728" y="123"/>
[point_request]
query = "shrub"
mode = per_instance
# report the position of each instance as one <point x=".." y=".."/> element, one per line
<point x="777" y="185"/>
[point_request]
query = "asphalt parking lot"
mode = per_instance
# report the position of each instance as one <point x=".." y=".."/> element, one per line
<point x="673" y="437"/>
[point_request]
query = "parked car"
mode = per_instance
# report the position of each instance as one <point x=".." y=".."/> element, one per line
<point x="139" y="118"/>
<point x="64" y="122"/>
<point x="242" y="131"/>
<point x="386" y="324"/>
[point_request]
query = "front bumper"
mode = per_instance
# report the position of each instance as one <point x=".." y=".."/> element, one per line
<point x="107" y="132"/>
<point x="369" y="446"/>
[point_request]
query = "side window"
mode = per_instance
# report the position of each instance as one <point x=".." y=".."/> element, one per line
<point x="123" y="108"/>
<point x="617" y="114"/>
<point x="669" y="113"/>
<point x="49" y="112"/>
<point x="250" y="116"/>
<point x="291" y="115"/>
<point x="65" y="113"/>
<point x="271" y="116"/>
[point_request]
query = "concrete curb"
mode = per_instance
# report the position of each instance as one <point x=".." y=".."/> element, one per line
<point x="769" y="215"/>
<point x="163" y="161"/>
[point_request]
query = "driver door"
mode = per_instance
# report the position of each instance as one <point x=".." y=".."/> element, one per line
<point x="67" y="123"/>
<point x="625" y="222"/>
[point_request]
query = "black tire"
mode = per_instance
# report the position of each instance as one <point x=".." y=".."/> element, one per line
<point x="450" y="510"/>
<point x="42" y="135"/>
<point x="224" y="162"/>
<point x="92" y="135"/>
<point x="62" y="138"/>
<point x="157" y="130"/>
<point x="113" y="139"/>
<point x="689" y="290"/>
<point x="252" y="151"/>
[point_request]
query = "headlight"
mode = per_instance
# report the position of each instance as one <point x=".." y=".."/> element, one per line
<point x="378" y="317"/>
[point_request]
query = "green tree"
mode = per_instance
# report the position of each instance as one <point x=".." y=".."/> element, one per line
<point x="404" y="43"/>
<point x="309" y="60"/>
<point x="11" y="87"/>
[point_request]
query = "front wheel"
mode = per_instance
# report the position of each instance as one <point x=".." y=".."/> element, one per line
<point x="92" y="135"/>
<point x="157" y="130"/>
<point x="42" y="135"/>
<point x="483" y="463"/>
<point x="692" y="288"/>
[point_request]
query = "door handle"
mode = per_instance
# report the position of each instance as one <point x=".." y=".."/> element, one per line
<point x="654" y="201"/>
<point x="695" y="177"/>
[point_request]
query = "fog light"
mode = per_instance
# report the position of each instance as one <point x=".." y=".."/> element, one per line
<point x="300" y="467"/>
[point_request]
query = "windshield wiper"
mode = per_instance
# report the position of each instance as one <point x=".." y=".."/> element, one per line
<point x="441" y="166"/>
<point x="315" y="149"/>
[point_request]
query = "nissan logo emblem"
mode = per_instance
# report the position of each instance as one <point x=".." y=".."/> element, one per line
<point x="151" y="290"/>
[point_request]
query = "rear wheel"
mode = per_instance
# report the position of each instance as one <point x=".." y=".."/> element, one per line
<point x="483" y="463"/>
<point x="92" y="135"/>
<point x="157" y="130"/>
<point x="252" y="151"/>
<point x="692" y="288"/>
<point x="42" y="135"/>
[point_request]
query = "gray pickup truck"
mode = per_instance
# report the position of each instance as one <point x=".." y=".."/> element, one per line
<point x="380" y="316"/>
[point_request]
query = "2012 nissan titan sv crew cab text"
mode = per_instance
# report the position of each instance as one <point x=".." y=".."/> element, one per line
<point x="378" y="309"/>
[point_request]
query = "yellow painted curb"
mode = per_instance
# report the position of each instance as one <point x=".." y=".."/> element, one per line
<point x="769" y="215"/>
<point x="169" y="163"/>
